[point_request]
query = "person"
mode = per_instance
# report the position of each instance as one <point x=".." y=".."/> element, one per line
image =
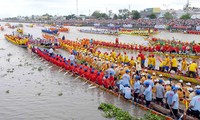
<point x="136" y="88"/>
<point x="168" y="97"/>
<point x="63" y="37"/>
<point x="191" y="94"/>
<point x="192" y="69"/>
<point x="174" y="64"/>
<point x="175" y="102"/>
<point x="148" y="93"/>
<point x="127" y="93"/>
<point x="184" y="66"/>
<point x="110" y="70"/>
<point x="72" y="58"/>
<point x="160" y="92"/>
<point x="51" y="51"/>
<point x="167" y="63"/>
<point x="194" y="108"/>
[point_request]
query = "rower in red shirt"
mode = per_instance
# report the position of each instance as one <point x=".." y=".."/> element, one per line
<point x="93" y="76"/>
<point x="99" y="79"/>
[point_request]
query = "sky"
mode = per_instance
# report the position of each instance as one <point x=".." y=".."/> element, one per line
<point x="13" y="8"/>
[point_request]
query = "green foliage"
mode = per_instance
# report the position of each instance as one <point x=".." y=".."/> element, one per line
<point x="135" y="14"/>
<point x="152" y="16"/>
<point x="72" y="16"/>
<point x="110" y="111"/>
<point x="186" y="16"/>
<point x="168" y="16"/>
<point x="150" y="116"/>
<point x="99" y="15"/>
<point x="115" y="17"/>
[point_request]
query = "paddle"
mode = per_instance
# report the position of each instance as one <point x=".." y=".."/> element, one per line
<point x="50" y="66"/>
<point x="172" y="111"/>
<point x="92" y="87"/>
<point x="66" y="73"/>
<point x="77" y="78"/>
<point x="60" y="70"/>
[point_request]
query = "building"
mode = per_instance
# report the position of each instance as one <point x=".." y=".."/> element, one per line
<point x="148" y="11"/>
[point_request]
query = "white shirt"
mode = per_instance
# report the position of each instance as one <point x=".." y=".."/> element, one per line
<point x="50" y="50"/>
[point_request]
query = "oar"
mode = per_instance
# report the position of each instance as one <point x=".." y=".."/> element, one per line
<point x="172" y="111"/>
<point x="77" y="77"/>
<point x="60" y="70"/>
<point x="50" y="66"/>
<point x="85" y="83"/>
<point x="92" y="87"/>
<point x="66" y="73"/>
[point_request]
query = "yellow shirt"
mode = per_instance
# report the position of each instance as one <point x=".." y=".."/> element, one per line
<point x="162" y="64"/>
<point x="132" y="62"/>
<point x="184" y="65"/>
<point x="154" y="61"/>
<point x="174" y="62"/>
<point x="167" y="60"/>
<point x="193" y="67"/>
<point x="150" y="61"/>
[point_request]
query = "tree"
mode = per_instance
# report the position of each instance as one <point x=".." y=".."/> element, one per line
<point x="168" y="16"/>
<point x="152" y="16"/>
<point x="99" y="15"/>
<point x="135" y="14"/>
<point x="186" y="16"/>
<point x="115" y="17"/>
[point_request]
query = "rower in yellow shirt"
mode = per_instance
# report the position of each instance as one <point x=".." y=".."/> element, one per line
<point x="149" y="62"/>
<point x="167" y="63"/>
<point x="192" y="69"/>
<point x="113" y="54"/>
<point x="153" y="62"/>
<point x="174" y="64"/>
<point x="132" y="62"/>
<point x="126" y="59"/>
<point x="184" y="66"/>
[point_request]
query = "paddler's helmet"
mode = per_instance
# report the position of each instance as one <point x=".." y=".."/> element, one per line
<point x="198" y="92"/>
<point x="180" y="81"/>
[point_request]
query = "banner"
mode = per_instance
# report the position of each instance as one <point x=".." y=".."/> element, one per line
<point x="197" y="27"/>
<point x="160" y="26"/>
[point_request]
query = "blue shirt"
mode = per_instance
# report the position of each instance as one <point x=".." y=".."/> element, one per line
<point x="176" y="100"/>
<point x="127" y="93"/>
<point x="169" y="95"/>
<point x="159" y="91"/>
<point x="195" y="102"/>
<point x="136" y="87"/>
<point x="110" y="70"/>
<point x="150" y="82"/>
<point x="126" y="76"/>
<point x="148" y="93"/>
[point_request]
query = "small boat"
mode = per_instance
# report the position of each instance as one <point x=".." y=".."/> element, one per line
<point x="21" y="42"/>
<point x="54" y="32"/>
<point x="20" y="31"/>
<point x="103" y="32"/>
<point x="177" y="77"/>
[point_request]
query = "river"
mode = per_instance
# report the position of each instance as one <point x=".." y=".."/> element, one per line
<point x="29" y="89"/>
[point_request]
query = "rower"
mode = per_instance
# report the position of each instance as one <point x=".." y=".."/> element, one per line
<point x="194" y="108"/>
<point x="51" y="51"/>
<point x="192" y="94"/>
<point x="148" y="93"/>
<point x="127" y="93"/>
<point x="175" y="102"/>
<point x="174" y="64"/>
<point x="168" y="97"/>
<point x="160" y="92"/>
<point x="136" y="88"/>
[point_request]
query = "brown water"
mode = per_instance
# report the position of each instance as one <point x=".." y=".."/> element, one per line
<point x="29" y="89"/>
